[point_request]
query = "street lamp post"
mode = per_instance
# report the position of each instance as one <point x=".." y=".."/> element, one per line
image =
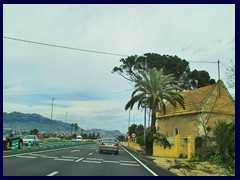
<point x="51" y="113"/>
<point x="145" y="111"/>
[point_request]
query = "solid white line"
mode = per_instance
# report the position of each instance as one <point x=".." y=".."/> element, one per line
<point x="90" y="154"/>
<point x="26" y="157"/>
<point x="70" y="157"/>
<point x="124" y="164"/>
<point x="53" y="173"/>
<point x="64" y="159"/>
<point x="153" y="173"/>
<point x="79" y="159"/>
<point x="91" y="161"/>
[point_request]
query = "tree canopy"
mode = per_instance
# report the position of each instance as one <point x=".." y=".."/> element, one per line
<point x="132" y="66"/>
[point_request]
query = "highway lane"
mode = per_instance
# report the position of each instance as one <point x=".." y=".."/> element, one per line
<point x="76" y="161"/>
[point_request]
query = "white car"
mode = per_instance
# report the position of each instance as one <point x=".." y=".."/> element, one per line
<point x="33" y="139"/>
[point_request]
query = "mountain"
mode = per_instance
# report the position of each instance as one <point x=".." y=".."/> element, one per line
<point x="105" y="133"/>
<point x="27" y="122"/>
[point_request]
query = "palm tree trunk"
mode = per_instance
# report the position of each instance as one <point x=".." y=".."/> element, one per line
<point x="153" y="128"/>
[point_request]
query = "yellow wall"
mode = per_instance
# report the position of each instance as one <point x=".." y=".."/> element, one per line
<point x="175" y="151"/>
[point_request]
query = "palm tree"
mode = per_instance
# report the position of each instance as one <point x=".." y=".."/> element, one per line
<point x="153" y="90"/>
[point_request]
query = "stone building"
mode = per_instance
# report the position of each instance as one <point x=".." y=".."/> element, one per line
<point x="203" y="108"/>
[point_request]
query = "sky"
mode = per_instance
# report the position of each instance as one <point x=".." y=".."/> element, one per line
<point x="81" y="83"/>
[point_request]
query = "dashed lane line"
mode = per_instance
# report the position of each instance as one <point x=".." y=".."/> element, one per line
<point x="117" y="162"/>
<point x="53" y="173"/>
<point x="124" y="164"/>
<point x="79" y="159"/>
<point x="30" y="157"/>
<point x="58" y="159"/>
<point x="95" y="159"/>
<point x="91" y="161"/>
<point x="70" y="157"/>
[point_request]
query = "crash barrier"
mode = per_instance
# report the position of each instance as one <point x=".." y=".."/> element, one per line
<point x="29" y="146"/>
<point x="48" y="145"/>
<point x="40" y="145"/>
<point x="14" y="147"/>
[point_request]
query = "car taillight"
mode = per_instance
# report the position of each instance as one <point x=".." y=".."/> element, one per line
<point x="102" y="144"/>
<point x="116" y="144"/>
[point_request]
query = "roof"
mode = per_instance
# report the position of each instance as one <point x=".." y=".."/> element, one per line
<point x="194" y="100"/>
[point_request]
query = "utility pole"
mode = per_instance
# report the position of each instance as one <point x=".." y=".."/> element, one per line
<point x="51" y="113"/>
<point x="219" y="93"/>
<point x="129" y="124"/>
<point x="145" y="110"/>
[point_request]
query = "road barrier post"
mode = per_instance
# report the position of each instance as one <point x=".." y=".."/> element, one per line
<point x="29" y="146"/>
<point x="16" y="145"/>
<point x="40" y="145"/>
<point x="13" y="147"/>
<point x="48" y="145"/>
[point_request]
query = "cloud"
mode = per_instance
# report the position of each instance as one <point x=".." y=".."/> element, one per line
<point x="81" y="82"/>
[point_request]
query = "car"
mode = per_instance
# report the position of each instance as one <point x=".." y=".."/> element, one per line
<point x="10" y="135"/>
<point x="78" y="138"/>
<point x="33" y="139"/>
<point x="109" y="145"/>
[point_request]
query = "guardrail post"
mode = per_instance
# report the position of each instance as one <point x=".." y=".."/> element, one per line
<point x="29" y="146"/>
<point x="13" y="147"/>
<point x="40" y="145"/>
<point x="48" y="145"/>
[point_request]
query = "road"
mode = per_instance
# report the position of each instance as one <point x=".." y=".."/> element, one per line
<point x="81" y="160"/>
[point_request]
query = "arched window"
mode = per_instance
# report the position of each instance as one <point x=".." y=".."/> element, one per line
<point x="175" y="131"/>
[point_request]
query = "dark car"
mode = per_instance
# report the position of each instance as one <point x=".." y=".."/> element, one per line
<point x="10" y="135"/>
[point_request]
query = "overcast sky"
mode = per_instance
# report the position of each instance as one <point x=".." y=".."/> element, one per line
<point x="81" y="82"/>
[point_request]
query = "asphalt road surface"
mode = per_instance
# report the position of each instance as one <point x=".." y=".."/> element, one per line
<point x="84" y="160"/>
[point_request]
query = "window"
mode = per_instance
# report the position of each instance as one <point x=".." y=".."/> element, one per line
<point x="175" y="131"/>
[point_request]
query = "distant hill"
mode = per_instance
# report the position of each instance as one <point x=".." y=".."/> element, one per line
<point x="27" y="122"/>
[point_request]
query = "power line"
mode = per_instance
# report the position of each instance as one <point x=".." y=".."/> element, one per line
<point x="64" y="47"/>
<point x="202" y="62"/>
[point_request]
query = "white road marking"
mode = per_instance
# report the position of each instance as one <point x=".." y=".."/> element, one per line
<point x="53" y="173"/>
<point x="153" y="173"/>
<point x="27" y="157"/>
<point x="91" y="161"/>
<point x="111" y="161"/>
<point x="128" y="161"/>
<point x="124" y="164"/>
<point x="75" y="151"/>
<point x="94" y="159"/>
<point x="79" y="159"/>
<point x="50" y="150"/>
<point x="70" y="157"/>
<point x="90" y="154"/>
<point x="50" y="157"/>
<point x="58" y="159"/>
